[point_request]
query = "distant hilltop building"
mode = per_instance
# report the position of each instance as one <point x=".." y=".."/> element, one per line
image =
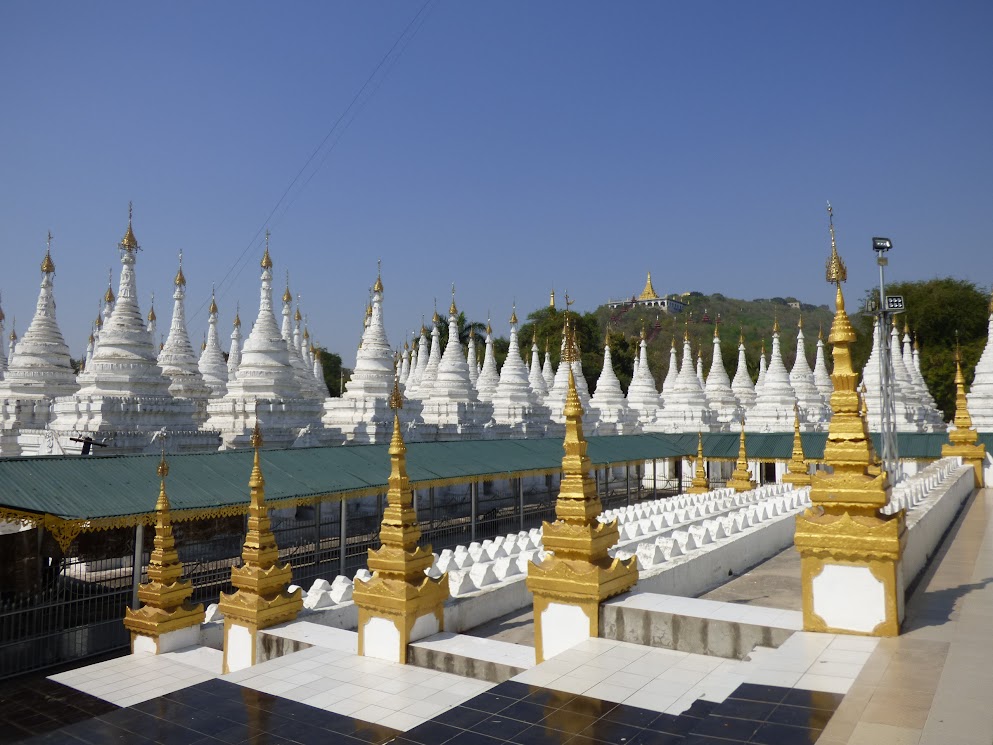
<point x="650" y="299"/>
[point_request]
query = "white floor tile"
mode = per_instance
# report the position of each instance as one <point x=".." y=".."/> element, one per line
<point x="826" y="683"/>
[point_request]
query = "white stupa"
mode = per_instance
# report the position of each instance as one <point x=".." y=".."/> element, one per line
<point x="124" y="397"/>
<point x="517" y="410"/>
<point x="418" y="364"/>
<point x="266" y="388"/>
<point x="362" y="414"/>
<point x="933" y="418"/>
<point x="38" y="371"/>
<point x="404" y="365"/>
<point x="980" y="394"/>
<point x="489" y="378"/>
<point x="744" y="389"/>
<point x="822" y="378"/>
<point x="547" y="371"/>
<point x="916" y="407"/>
<point x="429" y="374"/>
<point x="234" y="351"/>
<point x="535" y="375"/>
<point x="212" y="364"/>
<point x="609" y="413"/>
<point x="643" y="398"/>
<point x="699" y="368"/>
<point x="906" y="413"/>
<point x="290" y="331"/>
<point x="451" y="409"/>
<point x="720" y="396"/>
<point x="813" y="409"/>
<point x="774" y="401"/>
<point x="763" y="368"/>
<point x="669" y="383"/>
<point x="686" y="408"/>
<point x="569" y="359"/>
<point x="471" y="360"/>
<point x="177" y="358"/>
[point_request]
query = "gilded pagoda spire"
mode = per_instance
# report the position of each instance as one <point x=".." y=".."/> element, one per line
<point x="129" y="242"/>
<point x="165" y="597"/>
<point x="700" y="483"/>
<point x="963" y="441"/>
<point x="261" y="598"/>
<point x="398" y="592"/>
<point x="378" y="287"/>
<point x="796" y="469"/>
<point x="741" y="480"/>
<point x="266" y="262"/>
<point x="580" y="572"/>
<point x="649" y="292"/>
<point x="180" y="280"/>
<point x="844" y="528"/>
<point x="47" y="265"/>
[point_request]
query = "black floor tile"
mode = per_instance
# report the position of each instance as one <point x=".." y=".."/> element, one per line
<point x="587" y="706"/>
<point x="525" y="711"/>
<point x="813" y="699"/>
<point x="729" y="729"/>
<point x="512" y="689"/>
<point x="541" y="735"/>
<point x="500" y="726"/>
<point x="432" y="733"/>
<point x="705" y="740"/>
<point x="615" y="733"/>
<point x="781" y="734"/>
<point x="461" y="717"/>
<point x="549" y="698"/>
<point x="798" y="716"/>
<point x="700" y="708"/>
<point x="755" y="692"/>
<point x="758" y="711"/>
<point x="648" y="737"/>
<point x="489" y="702"/>
<point x="567" y="721"/>
<point x="475" y="738"/>
<point x="673" y="724"/>
<point x="632" y="715"/>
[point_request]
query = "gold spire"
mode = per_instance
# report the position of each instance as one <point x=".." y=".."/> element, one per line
<point x="568" y="343"/>
<point x="129" y="242"/>
<point x="266" y="262"/>
<point x="165" y="597"/>
<point x="513" y="315"/>
<point x="203" y="344"/>
<point x="108" y="296"/>
<point x="775" y="323"/>
<point x="796" y="469"/>
<point x="287" y="295"/>
<point x="741" y="479"/>
<point x="580" y="572"/>
<point x="306" y="333"/>
<point x="686" y="332"/>
<point x="642" y="336"/>
<point x="906" y="327"/>
<point x="378" y="287"/>
<point x="396" y="398"/>
<point x="213" y="301"/>
<point x="99" y="321"/>
<point x="237" y="316"/>
<point x="963" y="441"/>
<point x="836" y="272"/>
<point x="673" y="342"/>
<point x="741" y="335"/>
<point x="13" y="332"/>
<point x="717" y="334"/>
<point x="649" y="292"/>
<point x="799" y="323"/>
<point x="452" y="310"/>
<point x="180" y="280"/>
<point x="47" y="265"/>
<point x="700" y="483"/>
<point x="297" y="316"/>
<point x="820" y="332"/>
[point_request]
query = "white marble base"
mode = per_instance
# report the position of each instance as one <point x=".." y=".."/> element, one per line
<point x="849" y="598"/>
<point x="239" y="643"/>
<point x="562" y="626"/>
<point x="170" y="642"/>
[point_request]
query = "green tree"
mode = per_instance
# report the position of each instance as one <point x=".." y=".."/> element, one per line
<point x="939" y="311"/>
<point x="334" y="373"/>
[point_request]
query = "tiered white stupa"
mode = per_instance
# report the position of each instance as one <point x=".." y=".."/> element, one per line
<point x="517" y="410"/>
<point x="813" y="409"/>
<point x="744" y="389"/>
<point x="547" y="371"/>
<point x="774" y="401"/>
<point x="669" y="383"/>
<point x="471" y="360"/>
<point x="362" y="414"/>
<point x="763" y="368"/>
<point x="916" y="407"/>
<point x="720" y="396"/>
<point x="451" y="410"/>
<point x="933" y="419"/>
<point x="429" y="373"/>
<point x="303" y="372"/>
<point x="609" y="413"/>
<point x="699" y="368"/>
<point x="489" y="378"/>
<point x="535" y="376"/>
<point x="124" y="398"/>
<point x="266" y="389"/>
<point x="980" y="395"/>
<point x="418" y="365"/>
<point x="177" y="359"/>
<point x="686" y="408"/>
<point x="37" y="372"/>
<point x="404" y="365"/>
<point x="569" y="360"/>
<point x="905" y="412"/>
<point x="822" y="378"/>
<point x="212" y="365"/>
<point x="234" y="351"/>
<point x="643" y="398"/>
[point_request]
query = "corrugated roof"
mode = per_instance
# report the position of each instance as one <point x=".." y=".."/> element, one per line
<point x="74" y="487"/>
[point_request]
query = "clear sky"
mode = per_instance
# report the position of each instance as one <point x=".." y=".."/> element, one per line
<point x="505" y="146"/>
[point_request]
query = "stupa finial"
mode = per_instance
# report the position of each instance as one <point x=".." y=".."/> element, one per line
<point x="129" y="242"/>
<point x="47" y="265"/>
<point x="266" y="262"/>
<point x="452" y="310"/>
<point x="836" y="272"/>
<point x="180" y="280"/>
<point x="378" y="287"/>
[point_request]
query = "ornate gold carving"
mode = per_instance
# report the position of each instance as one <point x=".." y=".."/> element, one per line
<point x="129" y="242"/>
<point x="741" y="479"/>
<point x="165" y="596"/>
<point x="580" y="571"/>
<point x="399" y="590"/>
<point x="261" y="599"/>
<point x="47" y="265"/>
<point x="963" y="442"/>
<point x="700" y="483"/>
<point x="266" y="262"/>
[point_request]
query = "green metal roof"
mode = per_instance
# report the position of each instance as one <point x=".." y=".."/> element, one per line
<point x="97" y="487"/>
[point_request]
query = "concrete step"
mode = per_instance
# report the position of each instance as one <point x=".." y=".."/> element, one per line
<point x="471" y="656"/>
<point x="728" y="630"/>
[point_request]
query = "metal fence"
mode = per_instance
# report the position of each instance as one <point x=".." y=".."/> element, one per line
<point x="60" y="607"/>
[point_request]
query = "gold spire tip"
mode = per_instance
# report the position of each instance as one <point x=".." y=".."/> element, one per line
<point x="396" y="398"/>
<point x="266" y="262"/>
<point x="256" y="439"/>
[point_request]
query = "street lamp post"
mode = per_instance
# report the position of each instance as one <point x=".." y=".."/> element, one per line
<point x="887" y="400"/>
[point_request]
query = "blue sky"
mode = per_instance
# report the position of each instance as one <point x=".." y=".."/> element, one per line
<point x="504" y="146"/>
